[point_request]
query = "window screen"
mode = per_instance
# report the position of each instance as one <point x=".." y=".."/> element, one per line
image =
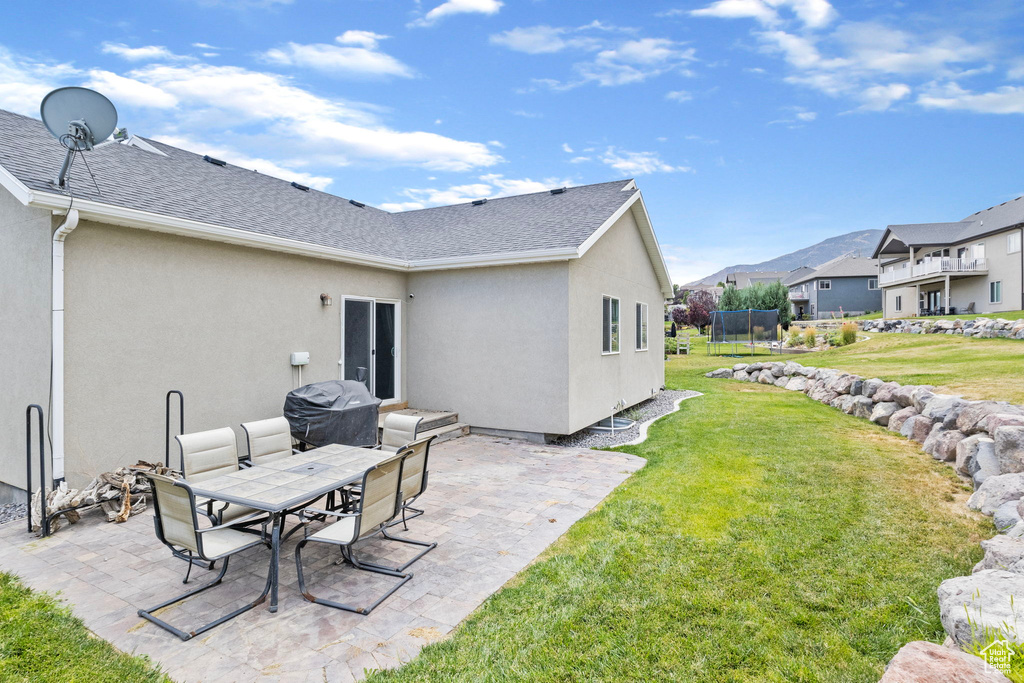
<point x="995" y="292"/>
<point x="641" y="327"/>
<point x="610" y="320"/>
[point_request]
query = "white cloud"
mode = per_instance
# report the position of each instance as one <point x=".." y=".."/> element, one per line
<point x="129" y="91"/>
<point x="638" y="163"/>
<point x="811" y="13"/>
<point x="636" y="60"/>
<point x="491" y="185"/>
<point x="358" y="56"/>
<point x="566" y="148"/>
<point x="24" y="83"/>
<point x="806" y="115"/>
<point x="1003" y="100"/>
<point x="458" y="7"/>
<point x="536" y="40"/>
<point x="146" y="53"/>
<point x="679" y="96"/>
<point x="881" y="97"/>
<point x="579" y="160"/>
<point x="874" y="47"/>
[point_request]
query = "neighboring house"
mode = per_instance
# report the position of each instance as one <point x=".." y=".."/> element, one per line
<point x="527" y="315"/>
<point x="743" y="280"/>
<point x="845" y="285"/>
<point x="974" y="265"/>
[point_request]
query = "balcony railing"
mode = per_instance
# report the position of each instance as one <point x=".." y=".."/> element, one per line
<point x="798" y="295"/>
<point x="936" y="266"/>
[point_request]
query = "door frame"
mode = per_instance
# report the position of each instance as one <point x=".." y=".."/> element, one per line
<point x="373" y="342"/>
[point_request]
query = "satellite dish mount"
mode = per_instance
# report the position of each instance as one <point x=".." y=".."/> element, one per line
<point x="79" y="118"/>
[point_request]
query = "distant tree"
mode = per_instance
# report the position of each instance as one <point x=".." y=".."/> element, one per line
<point x="754" y="297"/>
<point x="777" y="297"/>
<point x="683" y="295"/>
<point x="731" y="299"/>
<point x="720" y="284"/>
<point x="679" y="315"/>
<point x="700" y="306"/>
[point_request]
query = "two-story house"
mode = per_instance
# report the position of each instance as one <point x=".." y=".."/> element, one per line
<point x="971" y="266"/>
<point x="845" y="285"/>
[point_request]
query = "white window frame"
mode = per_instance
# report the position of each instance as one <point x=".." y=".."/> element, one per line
<point x="399" y="314"/>
<point x="1013" y="237"/>
<point x="873" y="283"/>
<point x="995" y="287"/>
<point x="825" y="285"/>
<point x="614" y="325"/>
<point x="978" y="250"/>
<point x="899" y="302"/>
<point x="641" y="325"/>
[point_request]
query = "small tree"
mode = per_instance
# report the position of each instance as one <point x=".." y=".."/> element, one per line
<point x="731" y="299"/>
<point x="701" y="305"/>
<point x="753" y="297"/>
<point x="679" y="316"/>
<point x="777" y="298"/>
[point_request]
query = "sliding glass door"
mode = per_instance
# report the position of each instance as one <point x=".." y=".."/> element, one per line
<point x="370" y="352"/>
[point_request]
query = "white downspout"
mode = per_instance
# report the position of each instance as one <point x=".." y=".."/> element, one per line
<point x="57" y="342"/>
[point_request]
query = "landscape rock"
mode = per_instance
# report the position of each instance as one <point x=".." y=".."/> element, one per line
<point x="843" y="383"/>
<point x="791" y="368"/>
<point x="721" y="373"/>
<point x="754" y="367"/>
<point x="1007" y="517"/>
<point x="885" y="392"/>
<point x="995" y="491"/>
<point x="939" y="405"/>
<point x="949" y="422"/>
<point x="897" y="419"/>
<point x="883" y="411"/>
<point x="1009" y="447"/>
<point x="797" y="383"/>
<point x="1002" y="552"/>
<point x="778" y="369"/>
<point x="971" y="417"/>
<point x="996" y="420"/>
<point x="967" y="452"/>
<point x="946" y="443"/>
<point x="862" y="407"/>
<point x="765" y="377"/>
<point x="857" y="388"/>
<point x="739" y="366"/>
<point x="807" y="371"/>
<point x="921" y="396"/>
<point x="980" y="603"/>
<point x="932" y="438"/>
<point x="916" y="428"/>
<point x="924" y="662"/>
<point x="781" y="381"/>
<point x="905" y="396"/>
<point x="871" y="387"/>
<point x="741" y="375"/>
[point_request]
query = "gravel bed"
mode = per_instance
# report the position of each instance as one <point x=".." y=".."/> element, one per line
<point x="12" y="511"/>
<point x="661" y="404"/>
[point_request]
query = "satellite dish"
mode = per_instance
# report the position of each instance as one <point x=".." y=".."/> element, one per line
<point x="79" y="118"/>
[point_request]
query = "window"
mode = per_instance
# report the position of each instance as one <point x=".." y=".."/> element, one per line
<point x="641" y="327"/>
<point x="1013" y="243"/>
<point x="979" y="250"/>
<point x="873" y="283"/>
<point x="961" y="252"/>
<point x="824" y="284"/>
<point x="611" y="325"/>
<point x="995" y="292"/>
<point x="899" y="303"/>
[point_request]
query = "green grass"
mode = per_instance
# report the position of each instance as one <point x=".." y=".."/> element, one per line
<point x="975" y="368"/>
<point x="769" y="538"/>
<point x="40" y="641"/>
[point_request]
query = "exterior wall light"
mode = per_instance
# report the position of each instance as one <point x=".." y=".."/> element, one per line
<point x="326" y="300"/>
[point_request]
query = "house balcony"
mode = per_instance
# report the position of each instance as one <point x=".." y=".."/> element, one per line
<point x="954" y="267"/>
<point x="798" y="295"/>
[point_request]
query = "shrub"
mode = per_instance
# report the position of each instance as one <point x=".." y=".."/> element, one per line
<point x="795" y="337"/>
<point x="701" y="305"/>
<point x="848" y="333"/>
<point x="811" y="337"/>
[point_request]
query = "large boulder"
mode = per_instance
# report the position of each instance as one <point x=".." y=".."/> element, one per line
<point x="778" y="369"/>
<point x="897" y="419"/>
<point x="797" y="383"/>
<point x="739" y="366"/>
<point x="985" y="602"/>
<point x="996" y="420"/>
<point x="807" y="371"/>
<point x="871" y="387"/>
<point x="949" y="422"/>
<point x="884" y="392"/>
<point x="741" y="375"/>
<point x="916" y="428"/>
<point x="765" y="377"/>
<point x="755" y="367"/>
<point x="905" y="396"/>
<point x="924" y="662"/>
<point x="721" y="373"/>
<point x="781" y="381"/>
<point x="857" y="388"/>
<point x="1006" y="519"/>
<point x="843" y="383"/>
<point x="791" y="368"/>
<point x="971" y="417"/>
<point x="939" y="406"/>
<point x="883" y="411"/>
<point x="995" y="491"/>
<point x="862" y="407"/>
<point x="1002" y="552"/>
<point x="1009" y="444"/>
<point x="921" y="396"/>
<point x="945" y="445"/>
<point x="967" y="452"/>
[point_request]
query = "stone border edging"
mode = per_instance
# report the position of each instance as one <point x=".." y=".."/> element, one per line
<point x="982" y="440"/>
<point x="983" y="327"/>
<point x="644" y="425"/>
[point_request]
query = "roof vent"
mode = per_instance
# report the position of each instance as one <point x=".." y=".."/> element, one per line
<point x="304" y="188"/>
<point x="479" y="202"/>
<point x="558" y="190"/>
<point x="355" y="203"/>
<point x="216" y="162"/>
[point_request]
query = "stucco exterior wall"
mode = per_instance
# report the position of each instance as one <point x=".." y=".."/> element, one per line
<point x="616" y="265"/>
<point x="148" y="312"/>
<point x="909" y="308"/>
<point x="492" y="344"/>
<point x="24" y="331"/>
<point x="1002" y="266"/>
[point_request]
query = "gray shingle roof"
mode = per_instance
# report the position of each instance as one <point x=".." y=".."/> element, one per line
<point x="988" y="220"/>
<point x="746" y="279"/>
<point x="843" y="266"/>
<point x="182" y="185"/>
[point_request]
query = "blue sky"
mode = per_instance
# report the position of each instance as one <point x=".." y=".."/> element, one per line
<point x="753" y="127"/>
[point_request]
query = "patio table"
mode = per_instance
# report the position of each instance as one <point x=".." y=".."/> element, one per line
<point x="278" y="486"/>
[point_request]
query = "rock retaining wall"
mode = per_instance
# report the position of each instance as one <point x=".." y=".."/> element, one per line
<point x="982" y="440"/>
<point x="979" y="327"/>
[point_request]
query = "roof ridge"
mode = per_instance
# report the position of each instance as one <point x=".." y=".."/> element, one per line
<point x="509" y="196"/>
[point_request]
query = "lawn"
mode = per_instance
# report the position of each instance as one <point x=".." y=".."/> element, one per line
<point x="40" y="641"/>
<point x="768" y="538"/>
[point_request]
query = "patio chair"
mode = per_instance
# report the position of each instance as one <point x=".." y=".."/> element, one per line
<point x="177" y="527"/>
<point x="209" y="454"/>
<point x="377" y="506"/>
<point x="268" y="440"/>
<point x="399" y="430"/>
<point x="970" y="308"/>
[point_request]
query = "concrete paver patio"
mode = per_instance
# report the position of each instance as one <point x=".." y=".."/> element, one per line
<point x="493" y="505"/>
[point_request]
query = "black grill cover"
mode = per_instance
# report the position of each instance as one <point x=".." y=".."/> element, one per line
<point x="338" y="411"/>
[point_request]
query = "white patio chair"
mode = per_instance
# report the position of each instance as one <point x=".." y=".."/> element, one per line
<point x="177" y="527"/>
<point x="268" y="440"/>
<point x="209" y="454"/>
<point x="414" y="483"/>
<point x="399" y="430"/>
<point x="377" y="506"/>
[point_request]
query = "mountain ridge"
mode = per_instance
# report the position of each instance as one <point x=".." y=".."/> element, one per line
<point x="862" y="241"/>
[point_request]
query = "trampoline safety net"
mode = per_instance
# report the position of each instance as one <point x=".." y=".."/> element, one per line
<point x="748" y="327"/>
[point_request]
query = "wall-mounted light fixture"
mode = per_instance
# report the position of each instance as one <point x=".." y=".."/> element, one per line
<point x="326" y="300"/>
